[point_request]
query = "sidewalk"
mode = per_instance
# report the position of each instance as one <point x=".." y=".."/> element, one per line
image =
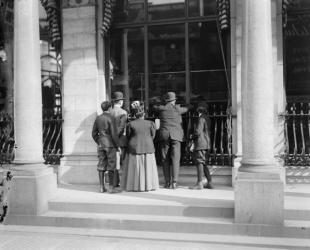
<point x="47" y="238"/>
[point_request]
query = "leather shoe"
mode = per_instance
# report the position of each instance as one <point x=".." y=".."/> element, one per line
<point x="167" y="184"/>
<point x="197" y="186"/>
<point x="103" y="190"/>
<point x="208" y="186"/>
<point x="174" y="185"/>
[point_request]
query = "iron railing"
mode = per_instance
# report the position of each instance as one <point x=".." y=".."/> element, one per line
<point x="297" y="134"/>
<point x="6" y="138"/>
<point x="52" y="138"/>
<point x="221" y="136"/>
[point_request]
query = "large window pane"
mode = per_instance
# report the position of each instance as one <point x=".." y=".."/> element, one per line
<point x="297" y="51"/>
<point x="129" y="11"/>
<point x="127" y="63"/>
<point x="166" y="48"/>
<point x="210" y="86"/>
<point x="165" y="9"/>
<point x="201" y="8"/>
<point x="208" y="78"/>
<point x="205" y="49"/>
<point x="161" y="83"/>
<point x="167" y="60"/>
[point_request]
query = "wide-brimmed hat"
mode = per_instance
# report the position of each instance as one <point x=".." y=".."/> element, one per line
<point x="169" y="97"/>
<point x="117" y="96"/>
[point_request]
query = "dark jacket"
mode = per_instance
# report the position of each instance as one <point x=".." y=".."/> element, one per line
<point x="202" y="133"/>
<point x="140" y="134"/>
<point x="104" y="131"/>
<point x="120" y="116"/>
<point x="170" y="122"/>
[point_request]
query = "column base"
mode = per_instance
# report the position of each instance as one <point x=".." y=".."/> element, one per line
<point x="32" y="187"/>
<point x="78" y="169"/>
<point x="259" y="198"/>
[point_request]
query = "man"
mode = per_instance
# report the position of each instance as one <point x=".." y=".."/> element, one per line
<point x="105" y="135"/>
<point x="170" y="136"/>
<point x="120" y="116"/>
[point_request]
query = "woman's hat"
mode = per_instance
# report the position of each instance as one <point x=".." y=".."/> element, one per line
<point x="105" y="105"/>
<point x="117" y="96"/>
<point x="169" y="97"/>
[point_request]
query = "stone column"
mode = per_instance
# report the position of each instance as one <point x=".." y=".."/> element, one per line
<point x="259" y="188"/>
<point x="33" y="182"/>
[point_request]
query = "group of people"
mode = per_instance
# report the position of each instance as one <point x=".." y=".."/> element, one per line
<point x="129" y="145"/>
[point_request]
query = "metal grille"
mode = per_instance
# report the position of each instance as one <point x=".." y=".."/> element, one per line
<point x="297" y="134"/>
<point x="221" y="136"/>
<point x="6" y="138"/>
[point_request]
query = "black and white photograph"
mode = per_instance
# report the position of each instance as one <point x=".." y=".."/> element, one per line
<point x="154" y="124"/>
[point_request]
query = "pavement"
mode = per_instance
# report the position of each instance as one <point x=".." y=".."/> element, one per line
<point x="45" y="238"/>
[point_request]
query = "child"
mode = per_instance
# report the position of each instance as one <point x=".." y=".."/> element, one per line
<point x="140" y="169"/>
<point x="202" y="145"/>
<point x="105" y="135"/>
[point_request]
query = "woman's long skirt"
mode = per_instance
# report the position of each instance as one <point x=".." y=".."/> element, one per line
<point x="140" y="173"/>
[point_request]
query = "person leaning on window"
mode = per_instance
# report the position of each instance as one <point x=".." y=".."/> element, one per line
<point x="170" y="136"/>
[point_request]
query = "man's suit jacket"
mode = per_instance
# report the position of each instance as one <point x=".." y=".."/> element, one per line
<point x="170" y="121"/>
<point x="140" y="134"/>
<point x="202" y="133"/>
<point x="104" y="131"/>
<point x="120" y="116"/>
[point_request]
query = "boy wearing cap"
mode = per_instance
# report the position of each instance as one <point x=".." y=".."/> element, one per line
<point x="120" y="116"/>
<point x="202" y="144"/>
<point x="104" y="134"/>
<point x="170" y="135"/>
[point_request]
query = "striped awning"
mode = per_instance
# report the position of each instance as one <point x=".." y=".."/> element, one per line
<point x="53" y="17"/>
<point x="223" y="13"/>
<point x="108" y="6"/>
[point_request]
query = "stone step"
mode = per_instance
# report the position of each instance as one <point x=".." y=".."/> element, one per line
<point x="170" y="224"/>
<point x="209" y="209"/>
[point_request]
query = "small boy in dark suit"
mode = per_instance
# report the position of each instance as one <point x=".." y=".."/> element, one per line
<point x="202" y="145"/>
<point x="105" y="135"/>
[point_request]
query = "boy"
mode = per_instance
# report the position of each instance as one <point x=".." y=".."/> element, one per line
<point x="202" y="144"/>
<point x="105" y="135"/>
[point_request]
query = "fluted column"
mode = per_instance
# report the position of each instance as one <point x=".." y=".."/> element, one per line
<point x="259" y="188"/>
<point x="27" y="83"/>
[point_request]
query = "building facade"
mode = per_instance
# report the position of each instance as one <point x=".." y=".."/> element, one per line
<point x="247" y="61"/>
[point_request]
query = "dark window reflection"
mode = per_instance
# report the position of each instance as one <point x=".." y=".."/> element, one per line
<point x="201" y="7"/>
<point x="129" y="11"/>
<point x="165" y="9"/>
<point x="297" y="51"/>
<point x="127" y="63"/>
<point x="167" y="60"/>
<point x="207" y="79"/>
<point x="166" y="48"/>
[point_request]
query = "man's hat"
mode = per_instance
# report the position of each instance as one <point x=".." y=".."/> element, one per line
<point x="169" y="97"/>
<point x="105" y="105"/>
<point x="117" y="96"/>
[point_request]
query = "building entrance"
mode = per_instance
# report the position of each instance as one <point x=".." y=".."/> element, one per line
<point x="161" y="46"/>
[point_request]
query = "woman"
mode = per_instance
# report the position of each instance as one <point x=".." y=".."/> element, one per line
<point x="140" y="169"/>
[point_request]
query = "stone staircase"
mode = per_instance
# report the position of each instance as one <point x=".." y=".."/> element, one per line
<point x="166" y="214"/>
